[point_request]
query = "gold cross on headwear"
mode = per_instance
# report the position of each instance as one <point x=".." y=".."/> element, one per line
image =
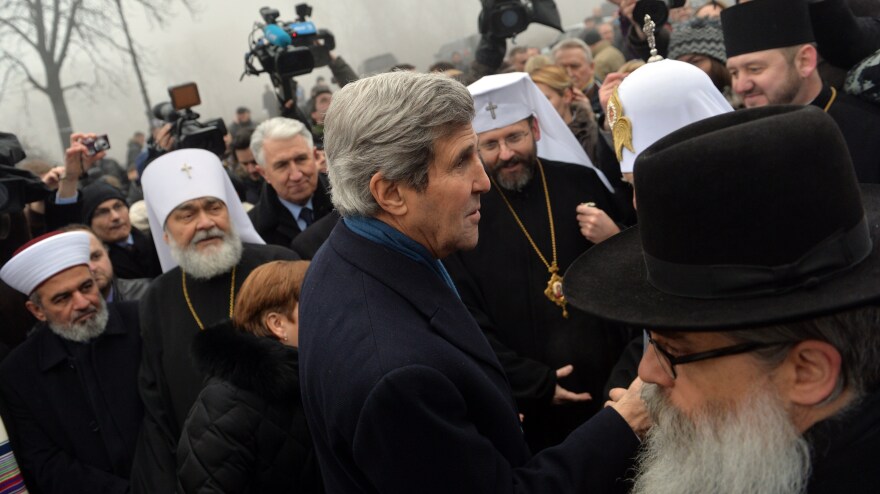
<point x="186" y="169"/>
<point x="492" y="107"/>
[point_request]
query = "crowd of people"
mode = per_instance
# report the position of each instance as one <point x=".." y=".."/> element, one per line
<point x="645" y="259"/>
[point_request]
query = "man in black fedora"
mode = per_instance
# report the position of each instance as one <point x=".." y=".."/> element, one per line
<point x="755" y="271"/>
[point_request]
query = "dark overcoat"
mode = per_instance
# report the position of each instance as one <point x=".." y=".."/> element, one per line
<point x="74" y="424"/>
<point x="404" y="394"/>
<point x="273" y="220"/>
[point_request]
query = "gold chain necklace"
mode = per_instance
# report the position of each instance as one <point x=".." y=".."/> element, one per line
<point x="830" y="100"/>
<point x="190" y="305"/>
<point x="554" y="285"/>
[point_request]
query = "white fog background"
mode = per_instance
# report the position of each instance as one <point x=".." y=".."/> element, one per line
<point x="208" y="48"/>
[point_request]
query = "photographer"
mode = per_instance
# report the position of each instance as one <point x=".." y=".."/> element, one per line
<point x="104" y="208"/>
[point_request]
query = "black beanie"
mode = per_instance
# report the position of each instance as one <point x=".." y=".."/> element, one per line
<point x="94" y="194"/>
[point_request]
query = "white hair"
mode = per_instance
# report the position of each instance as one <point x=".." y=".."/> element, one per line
<point x="735" y="448"/>
<point x="216" y="261"/>
<point x="277" y="128"/>
<point x="575" y="43"/>
<point x="388" y="124"/>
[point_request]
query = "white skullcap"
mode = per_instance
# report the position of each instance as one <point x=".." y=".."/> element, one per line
<point x="659" y="98"/>
<point x="504" y="99"/>
<point x="183" y="175"/>
<point x="43" y="258"/>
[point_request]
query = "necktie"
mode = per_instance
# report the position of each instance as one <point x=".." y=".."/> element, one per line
<point x="306" y="215"/>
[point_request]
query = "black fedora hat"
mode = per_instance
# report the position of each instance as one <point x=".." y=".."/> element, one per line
<point x="745" y="219"/>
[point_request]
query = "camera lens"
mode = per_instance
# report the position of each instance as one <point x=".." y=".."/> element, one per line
<point x="509" y="19"/>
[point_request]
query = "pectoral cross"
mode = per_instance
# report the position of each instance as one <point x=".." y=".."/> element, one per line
<point x="186" y="169"/>
<point x="491" y="108"/>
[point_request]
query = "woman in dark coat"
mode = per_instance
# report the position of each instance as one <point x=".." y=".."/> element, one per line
<point x="246" y="432"/>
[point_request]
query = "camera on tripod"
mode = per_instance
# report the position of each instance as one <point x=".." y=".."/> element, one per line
<point x="187" y="131"/>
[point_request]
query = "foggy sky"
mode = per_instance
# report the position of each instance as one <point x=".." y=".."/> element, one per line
<point x="208" y="48"/>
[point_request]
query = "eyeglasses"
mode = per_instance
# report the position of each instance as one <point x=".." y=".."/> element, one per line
<point x="668" y="361"/>
<point x="492" y="146"/>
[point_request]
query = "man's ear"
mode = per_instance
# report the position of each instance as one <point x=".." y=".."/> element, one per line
<point x="165" y="237"/>
<point x="36" y="310"/>
<point x="536" y="129"/>
<point x="261" y="171"/>
<point x="806" y="60"/>
<point x="813" y="368"/>
<point x="388" y="195"/>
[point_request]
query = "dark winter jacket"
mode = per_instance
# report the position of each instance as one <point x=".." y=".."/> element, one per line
<point x="246" y="432"/>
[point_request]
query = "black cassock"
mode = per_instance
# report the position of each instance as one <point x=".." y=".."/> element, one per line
<point x="169" y="382"/>
<point x="859" y="122"/>
<point x="502" y="283"/>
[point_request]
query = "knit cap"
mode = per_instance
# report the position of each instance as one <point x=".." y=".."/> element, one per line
<point x="702" y="36"/>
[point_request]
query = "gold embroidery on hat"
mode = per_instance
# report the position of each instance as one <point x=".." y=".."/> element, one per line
<point x="621" y="127"/>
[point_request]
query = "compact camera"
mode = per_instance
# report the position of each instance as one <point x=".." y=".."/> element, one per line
<point x="96" y="145"/>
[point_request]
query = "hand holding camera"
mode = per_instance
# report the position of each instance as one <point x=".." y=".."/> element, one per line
<point x="85" y="150"/>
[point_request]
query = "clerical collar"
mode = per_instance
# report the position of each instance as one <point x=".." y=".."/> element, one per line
<point x="295" y="209"/>
<point x="826" y="98"/>
<point x="387" y="236"/>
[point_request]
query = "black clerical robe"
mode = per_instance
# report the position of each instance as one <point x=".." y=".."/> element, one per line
<point x="859" y="122"/>
<point x="169" y="382"/>
<point x="72" y="409"/>
<point x="502" y="283"/>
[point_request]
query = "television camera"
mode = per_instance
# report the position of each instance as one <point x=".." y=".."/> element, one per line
<point x="287" y="49"/>
<point x="187" y="131"/>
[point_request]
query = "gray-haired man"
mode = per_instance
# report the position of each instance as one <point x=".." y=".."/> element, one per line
<point x="295" y="194"/>
<point x="401" y="389"/>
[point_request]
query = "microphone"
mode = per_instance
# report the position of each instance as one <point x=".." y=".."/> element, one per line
<point x="276" y="35"/>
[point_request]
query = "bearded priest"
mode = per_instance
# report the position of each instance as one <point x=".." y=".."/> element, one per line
<point x="207" y="247"/>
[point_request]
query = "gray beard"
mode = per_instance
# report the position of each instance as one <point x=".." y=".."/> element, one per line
<point x="214" y="261"/>
<point x="86" y="330"/>
<point x="751" y="448"/>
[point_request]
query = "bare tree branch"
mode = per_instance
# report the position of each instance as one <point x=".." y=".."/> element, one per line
<point x="19" y="32"/>
<point x="71" y="24"/>
<point x="22" y="67"/>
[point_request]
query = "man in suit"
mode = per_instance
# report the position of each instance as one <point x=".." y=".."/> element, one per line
<point x="402" y="391"/>
<point x="70" y="390"/>
<point x="295" y="193"/>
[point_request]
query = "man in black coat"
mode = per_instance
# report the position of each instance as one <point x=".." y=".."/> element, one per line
<point x="402" y="391"/>
<point x="70" y="390"/>
<point x="762" y="374"/>
<point x="104" y="208"/>
<point x="208" y="248"/>
<point x="295" y="194"/>
<point x="772" y="61"/>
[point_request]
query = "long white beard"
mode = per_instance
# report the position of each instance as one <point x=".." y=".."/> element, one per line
<point x="747" y="448"/>
<point x="213" y="261"/>
<point x="83" y="331"/>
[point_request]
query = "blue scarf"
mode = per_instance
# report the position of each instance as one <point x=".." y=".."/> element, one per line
<point x="385" y="235"/>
